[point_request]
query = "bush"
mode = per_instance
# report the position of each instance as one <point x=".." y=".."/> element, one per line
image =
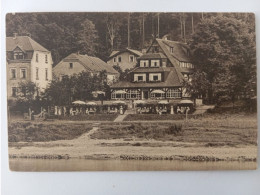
<point x="175" y="129"/>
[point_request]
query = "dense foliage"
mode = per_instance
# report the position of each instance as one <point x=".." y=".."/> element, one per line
<point x="76" y="87"/>
<point x="99" y="33"/>
<point x="224" y="54"/>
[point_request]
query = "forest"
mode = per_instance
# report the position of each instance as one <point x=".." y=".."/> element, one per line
<point x="222" y="44"/>
<point x="99" y="33"/>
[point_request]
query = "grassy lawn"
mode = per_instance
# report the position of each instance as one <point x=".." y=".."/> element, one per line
<point x="41" y="132"/>
<point x="91" y="117"/>
<point x="211" y="131"/>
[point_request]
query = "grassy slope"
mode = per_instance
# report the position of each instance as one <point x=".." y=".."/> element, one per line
<point x="213" y="130"/>
<point x="38" y="132"/>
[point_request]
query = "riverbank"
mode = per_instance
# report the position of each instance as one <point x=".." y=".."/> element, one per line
<point x="222" y="138"/>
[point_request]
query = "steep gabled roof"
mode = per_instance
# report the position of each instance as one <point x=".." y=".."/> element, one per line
<point x="91" y="63"/>
<point x="132" y="51"/>
<point x="179" y="50"/>
<point x="24" y="42"/>
<point x="152" y="56"/>
<point x="177" y="68"/>
<point x="171" y="80"/>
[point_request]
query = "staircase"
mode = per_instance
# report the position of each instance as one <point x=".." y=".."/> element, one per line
<point x="121" y="117"/>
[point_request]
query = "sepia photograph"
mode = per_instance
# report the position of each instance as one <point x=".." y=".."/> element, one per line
<point x="131" y="91"/>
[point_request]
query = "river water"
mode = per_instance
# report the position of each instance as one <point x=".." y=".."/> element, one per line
<point x="123" y="165"/>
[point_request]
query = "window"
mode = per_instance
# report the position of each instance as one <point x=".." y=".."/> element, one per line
<point x="133" y="94"/>
<point x="115" y="95"/>
<point x="46" y="74"/>
<point x="131" y="58"/>
<point x="23" y="90"/>
<point x="155" y="77"/>
<point x="71" y="65"/>
<point x="171" y="49"/>
<point x="37" y="73"/>
<point x="37" y="57"/>
<point x="158" y="95"/>
<point x="144" y="63"/>
<point x="139" y="77"/>
<point x="173" y="93"/>
<point x="18" y="55"/>
<point x="163" y="64"/>
<point x="119" y="59"/>
<point x="155" y="63"/>
<point x="114" y="59"/>
<point x="23" y="73"/>
<point x="46" y="58"/>
<point x="13" y="73"/>
<point x="14" y="91"/>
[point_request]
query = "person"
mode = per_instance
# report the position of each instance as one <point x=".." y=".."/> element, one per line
<point x="160" y="111"/>
<point x="32" y="115"/>
<point x="71" y="111"/>
<point x="121" y="110"/>
<point x="179" y="110"/>
<point x="187" y="110"/>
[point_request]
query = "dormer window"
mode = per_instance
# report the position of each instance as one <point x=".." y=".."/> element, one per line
<point x="155" y="77"/>
<point x="140" y="78"/>
<point x="155" y="63"/>
<point x="144" y="63"/>
<point x="18" y="55"/>
<point x="171" y="49"/>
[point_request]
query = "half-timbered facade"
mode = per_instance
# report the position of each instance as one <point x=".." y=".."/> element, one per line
<point x="159" y="73"/>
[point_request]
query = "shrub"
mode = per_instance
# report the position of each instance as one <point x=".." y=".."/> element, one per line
<point x="175" y="129"/>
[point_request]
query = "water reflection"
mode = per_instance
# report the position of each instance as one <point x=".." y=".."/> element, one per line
<point x="123" y="165"/>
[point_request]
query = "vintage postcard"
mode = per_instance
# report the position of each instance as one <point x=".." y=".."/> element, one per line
<point x="122" y="91"/>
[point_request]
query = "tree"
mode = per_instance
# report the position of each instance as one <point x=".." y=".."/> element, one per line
<point x="123" y="75"/>
<point x="77" y="87"/>
<point x="27" y="97"/>
<point x="87" y="38"/>
<point x="224" y="48"/>
<point x="198" y="85"/>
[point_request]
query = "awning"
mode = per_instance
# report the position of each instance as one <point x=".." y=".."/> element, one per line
<point x="186" y="102"/>
<point x="120" y="92"/>
<point x="119" y="102"/>
<point x="163" y="102"/>
<point x="158" y="91"/>
<point x="140" y="102"/>
<point x="92" y="103"/>
<point x="79" y="102"/>
<point x="98" y="92"/>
